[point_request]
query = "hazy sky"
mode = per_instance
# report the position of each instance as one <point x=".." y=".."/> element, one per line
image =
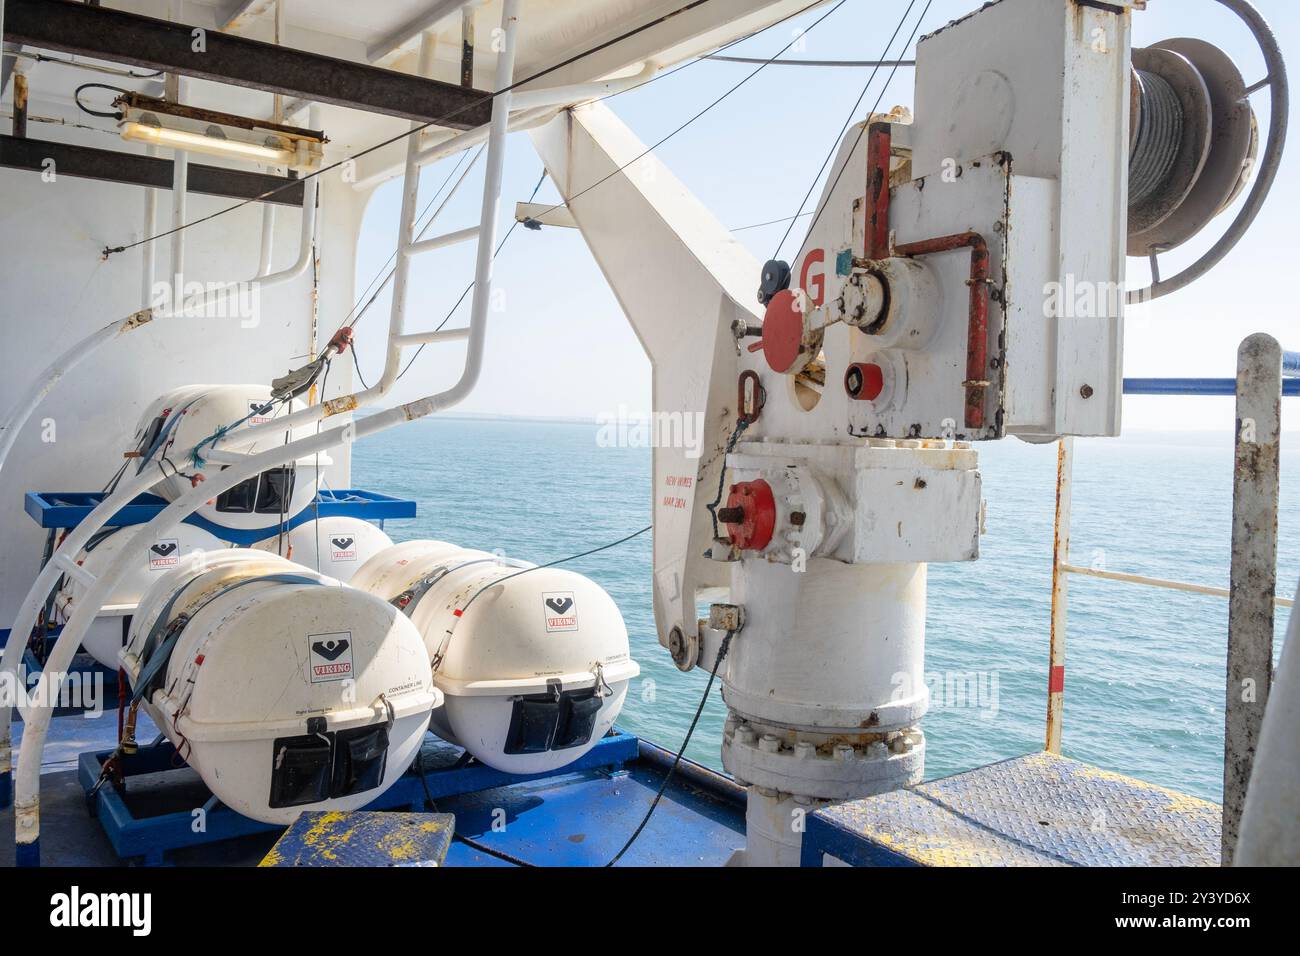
<point x="562" y="346"/>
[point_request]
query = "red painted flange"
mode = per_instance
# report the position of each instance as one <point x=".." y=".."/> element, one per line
<point x="758" y="507"/>
<point x="783" y="331"/>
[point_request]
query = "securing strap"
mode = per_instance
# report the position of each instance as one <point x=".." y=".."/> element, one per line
<point x="408" y="599"/>
<point x="173" y="416"/>
<point x="163" y="635"/>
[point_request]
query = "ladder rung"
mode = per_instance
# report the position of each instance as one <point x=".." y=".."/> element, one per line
<point x="426" y="338"/>
<point x="439" y="242"/>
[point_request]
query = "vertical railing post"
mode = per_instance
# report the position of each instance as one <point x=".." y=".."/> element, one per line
<point x="1060" y="594"/>
<point x="1254" y="570"/>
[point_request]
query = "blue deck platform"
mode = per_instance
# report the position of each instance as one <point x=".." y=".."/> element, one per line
<point x="577" y="818"/>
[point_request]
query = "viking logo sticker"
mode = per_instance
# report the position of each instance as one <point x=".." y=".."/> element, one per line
<point x="164" y="554"/>
<point x="561" y="611"/>
<point x="343" y="549"/>
<point x="330" y="656"/>
<point x="254" y="405"/>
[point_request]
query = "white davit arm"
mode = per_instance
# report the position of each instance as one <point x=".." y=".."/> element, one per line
<point x="683" y="279"/>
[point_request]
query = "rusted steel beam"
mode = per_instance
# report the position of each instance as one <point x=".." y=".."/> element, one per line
<point x="154" y="44"/>
<point x="1060" y="595"/>
<point x="1254" y="570"/>
<point x="879" y="143"/>
<point x="106" y="165"/>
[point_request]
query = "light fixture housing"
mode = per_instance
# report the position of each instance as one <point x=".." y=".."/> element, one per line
<point x="146" y="119"/>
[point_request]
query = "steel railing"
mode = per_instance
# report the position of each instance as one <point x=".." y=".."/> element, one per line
<point x="1266" y="373"/>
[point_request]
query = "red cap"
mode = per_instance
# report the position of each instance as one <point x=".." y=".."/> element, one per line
<point x="864" y="381"/>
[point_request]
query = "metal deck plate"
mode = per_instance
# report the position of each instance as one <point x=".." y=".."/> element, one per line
<point x="1037" y="810"/>
<point x="364" y="838"/>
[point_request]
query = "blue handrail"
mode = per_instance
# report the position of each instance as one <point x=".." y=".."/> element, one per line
<point x="1204" y="386"/>
<point x="1212" y="386"/>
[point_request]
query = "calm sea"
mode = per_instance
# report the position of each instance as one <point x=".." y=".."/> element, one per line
<point x="1145" y="672"/>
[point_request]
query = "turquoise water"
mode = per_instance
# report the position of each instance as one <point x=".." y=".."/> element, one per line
<point x="1144" y="685"/>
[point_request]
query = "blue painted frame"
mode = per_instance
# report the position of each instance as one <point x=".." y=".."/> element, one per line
<point x="823" y="836"/>
<point x="67" y="509"/>
<point x="151" y="838"/>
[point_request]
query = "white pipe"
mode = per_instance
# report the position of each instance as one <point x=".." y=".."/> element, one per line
<point x="148" y="259"/>
<point x="268" y="237"/>
<point x="27" y="788"/>
<point x="405" y="237"/>
<point x="438" y="335"/>
<point x="278" y="109"/>
<point x="472" y="137"/>
<point x="180" y="183"/>
<point x="66" y="362"/>
<point x="72" y="569"/>
<point x="581" y="92"/>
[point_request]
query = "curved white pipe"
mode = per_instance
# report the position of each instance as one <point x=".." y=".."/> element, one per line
<point x="66" y="362"/>
<point x="30" y="609"/>
<point x="27" y="783"/>
<point x="72" y="357"/>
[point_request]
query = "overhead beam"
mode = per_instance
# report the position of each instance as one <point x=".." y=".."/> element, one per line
<point x="435" y="13"/>
<point x="107" y="165"/>
<point x="154" y="44"/>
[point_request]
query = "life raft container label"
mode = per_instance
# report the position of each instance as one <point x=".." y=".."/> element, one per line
<point x="165" y="553"/>
<point x="343" y="548"/>
<point x="560" y="610"/>
<point x="330" y="656"/>
<point x="254" y="406"/>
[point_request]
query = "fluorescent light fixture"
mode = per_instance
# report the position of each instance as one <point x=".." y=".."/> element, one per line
<point x="205" y="143"/>
<point x="162" y="123"/>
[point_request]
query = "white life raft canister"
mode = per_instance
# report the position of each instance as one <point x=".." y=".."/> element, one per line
<point x="283" y="688"/>
<point x="336" y="545"/>
<point x="534" y="666"/>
